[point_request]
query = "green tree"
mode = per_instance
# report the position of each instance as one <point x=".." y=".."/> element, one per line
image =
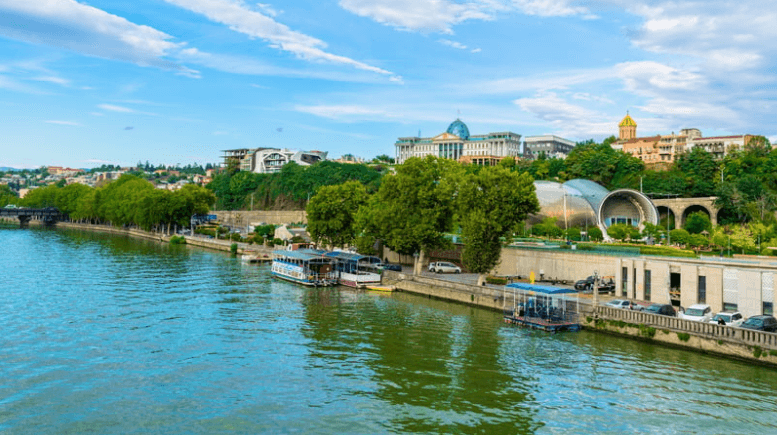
<point x="679" y="236"/>
<point x="595" y="234"/>
<point x="332" y="213"/>
<point x="618" y="231"/>
<point x="491" y="204"/>
<point x="413" y="210"/>
<point x="602" y="164"/>
<point x="697" y="222"/>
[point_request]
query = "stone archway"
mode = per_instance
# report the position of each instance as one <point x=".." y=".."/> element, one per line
<point x="663" y="211"/>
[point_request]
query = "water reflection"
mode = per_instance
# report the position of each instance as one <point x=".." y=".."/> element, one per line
<point x="111" y="335"/>
<point x="432" y="364"/>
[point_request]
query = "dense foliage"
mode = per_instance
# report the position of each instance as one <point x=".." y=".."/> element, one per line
<point x="288" y="189"/>
<point x="128" y="201"/>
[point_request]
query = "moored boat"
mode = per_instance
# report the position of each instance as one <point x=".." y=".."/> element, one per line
<point x="355" y="270"/>
<point x="305" y="266"/>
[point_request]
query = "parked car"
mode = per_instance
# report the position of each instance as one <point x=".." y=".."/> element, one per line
<point x="606" y="285"/>
<point x="619" y="303"/>
<point x="730" y="318"/>
<point x="698" y="313"/>
<point x="389" y="266"/>
<point x="444" y="267"/>
<point x="661" y="309"/>
<point x="760" y="323"/>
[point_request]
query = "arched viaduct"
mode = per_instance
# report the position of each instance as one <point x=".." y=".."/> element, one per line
<point x="680" y="208"/>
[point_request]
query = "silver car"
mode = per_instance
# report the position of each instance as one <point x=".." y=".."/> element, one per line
<point x="444" y="267"/>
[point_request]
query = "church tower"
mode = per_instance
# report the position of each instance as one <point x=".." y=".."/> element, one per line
<point x="627" y="129"/>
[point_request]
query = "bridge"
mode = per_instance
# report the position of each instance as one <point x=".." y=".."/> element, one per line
<point x="48" y="215"/>
<point x="680" y="208"/>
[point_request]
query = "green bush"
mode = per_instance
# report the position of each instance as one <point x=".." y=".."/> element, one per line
<point x="235" y="237"/>
<point x="497" y="280"/>
<point x="757" y="351"/>
<point x="666" y="251"/>
<point x="683" y="336"/>
<point x="178" y="240"/>
<point x="233" y="248"/>
<point x="647" y="331"/>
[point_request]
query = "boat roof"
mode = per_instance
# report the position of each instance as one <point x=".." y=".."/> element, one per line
<point x="300" y="254"/>
<point x="546" y="289"/>
<point x="349" y="256"/>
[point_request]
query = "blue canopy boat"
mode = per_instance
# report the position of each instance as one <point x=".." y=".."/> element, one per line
<point x="542" y="307"/>
<point x="304" y="266"/>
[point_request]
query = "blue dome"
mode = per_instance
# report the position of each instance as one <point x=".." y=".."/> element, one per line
<point x="459" y="129"/>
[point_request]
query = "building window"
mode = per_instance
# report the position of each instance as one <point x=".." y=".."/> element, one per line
<point x="728" y="306"/>
<point x="702" y="297"/>
<point x="768" y="309"/>
<point x="625" y="281"/>
<point x="647" y="285"/>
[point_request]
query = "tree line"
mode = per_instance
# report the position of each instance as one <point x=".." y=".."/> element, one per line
<point x="129" y="201"/>
<point x="414" y="210"/>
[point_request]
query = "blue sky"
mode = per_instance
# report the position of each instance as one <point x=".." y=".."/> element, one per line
<point x="84" y="83"/>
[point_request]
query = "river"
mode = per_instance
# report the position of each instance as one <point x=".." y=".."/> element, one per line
<point x="110" y="335"/>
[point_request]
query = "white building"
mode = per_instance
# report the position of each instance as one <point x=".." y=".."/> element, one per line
<point x="457" y="144"/>
<point x="269" y="160"/>
<point x="552" y="146"/>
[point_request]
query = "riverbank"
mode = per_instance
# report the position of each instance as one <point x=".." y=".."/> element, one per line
<point x="729" y="342"/>
<point x="737" y="343"/>
<point x="202" y="242"/>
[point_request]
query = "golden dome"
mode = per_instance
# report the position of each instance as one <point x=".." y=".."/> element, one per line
<point x="627" y="122"/>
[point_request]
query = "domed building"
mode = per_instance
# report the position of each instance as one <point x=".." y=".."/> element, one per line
<point x="456" y="143"/>
<point x="583" y="203"/>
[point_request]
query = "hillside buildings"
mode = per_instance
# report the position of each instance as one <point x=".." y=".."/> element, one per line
<point x="456" y="143"/>
<point x="552" y="146"/>
<point x="660" y="151"/>
<point x="269" y="160"/>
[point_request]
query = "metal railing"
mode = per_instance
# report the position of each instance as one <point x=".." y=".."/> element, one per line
<point x="749" y="337"/>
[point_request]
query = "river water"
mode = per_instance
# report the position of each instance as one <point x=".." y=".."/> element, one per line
<point x="108" y="335"/>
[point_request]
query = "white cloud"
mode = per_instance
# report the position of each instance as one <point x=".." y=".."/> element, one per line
<point x="422" y="15"/>
<point x="727" y="36"/>
<point x="268" y="9"/>
<point x="646" y="76"/>
<point x="249" y="66"/>
<point x="236" y="15"/>
<point x="113" y="108"/>
<point x="87" y="30"/>
<point x="123" y="109"/>
<point x="551" y="8"/>
<point x="567" y="119"/>
<point x="70" y="123"/>
<point x="341" y="112"/>
<point x="51" y="79"/>
<point x="453" y="44"/>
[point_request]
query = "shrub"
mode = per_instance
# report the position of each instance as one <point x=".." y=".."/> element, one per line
<point x="498" y="280"/>
<point x="683" y="336"/>
<point x="757" y="351"/>
<point x="235" y="237"/>
<point x="233" y="248"/>
<point x="177" y="240"/>
<point x="647" y="331"/>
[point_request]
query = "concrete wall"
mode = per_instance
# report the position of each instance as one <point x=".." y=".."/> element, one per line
<point x="555" y="264"/>
<point x="244" y="218"/>
<point x="750" y="283"/>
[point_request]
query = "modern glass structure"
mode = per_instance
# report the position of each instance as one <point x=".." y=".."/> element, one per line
<point x="584" y="203"/>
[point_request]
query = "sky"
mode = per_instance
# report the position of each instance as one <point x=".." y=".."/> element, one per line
<point x="86" y="83"/>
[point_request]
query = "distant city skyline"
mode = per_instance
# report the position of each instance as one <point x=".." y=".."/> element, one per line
<point x="178" y="81"/>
